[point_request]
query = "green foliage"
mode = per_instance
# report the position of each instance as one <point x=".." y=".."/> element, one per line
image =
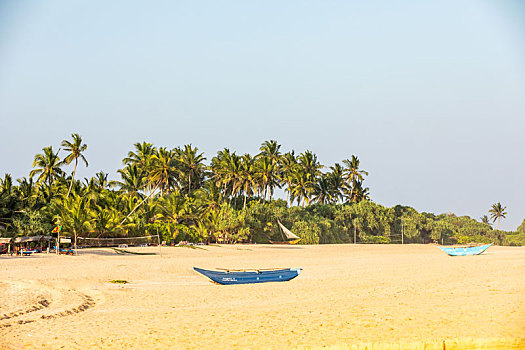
<point x="172" y="192"/>
<point x="521" y="228"/>
<point x="515" y="238"/>
<point x="31" y="223"/>
<point x="118" y="281"/>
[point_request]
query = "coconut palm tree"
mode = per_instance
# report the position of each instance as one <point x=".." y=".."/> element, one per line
<point x="322" y="191"/>
<point x="47" y="165"/>
<point x="308" y="162"/>
<point x="336" y="180"/>
<point x="270" y="149"/>
<point x="142" y="157"/>
<point x="352" y="175"/>
<point x="191" y="166"/>
<point x="247" y="180"/>
<point x="288" y="164"/>
<point x="359" y="192"/>
<point x="266" y="175"/>
<point x="163" y="170"/>
<point x="485" y="219"/>
<point x="133" y="179"/>
<point x="74" y="214"/>
<point x="75" y="147"/>
<point x="497" y="212"/>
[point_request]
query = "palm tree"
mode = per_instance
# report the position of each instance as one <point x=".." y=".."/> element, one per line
<point x="322" y="192"/>
<point x="301" y="187"/>
<point x="336" y="180"/>
<point x="47" y="165"/>
<point x="485" y="219"/>
<point x="288" y="164"/>
<point x="270" y="149"/>
<point x="133" y="179"/>
<point x="360" y="193"/>
<point x="305" y="176"/>
<point x="247" y="177"/>
<point x="266" y="174"/>
<point x="74" y="213"/>
<point x="6" y="184"/>
<point x="142" y="157"/>
<point x="76" y="148"/>
<point x="163" y="170"/>
<point x="308" y="162"/>
<point x="191" y="166"/>
<point x="497" y="212"/>
<point x="353" y="175"/>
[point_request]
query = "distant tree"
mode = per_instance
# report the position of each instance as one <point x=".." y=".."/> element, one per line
<point x="75" y="147"/>
<point x="191" y="166"/>
<point x="353" y="175"/>
<point x="47" y="165"/>
<point x="485" y="219"/>
<point x="497" y="212"/>
<point x="521" y="228"/>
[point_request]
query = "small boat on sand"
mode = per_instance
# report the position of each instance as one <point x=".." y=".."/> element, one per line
<point x="462" y="251"/>
<point x="250" y="276"/>
<point x="289" y="236"/>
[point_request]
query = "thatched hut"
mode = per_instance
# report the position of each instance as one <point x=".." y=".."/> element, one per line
<point x="5" y="243"/>
<point x="38" y="241"/>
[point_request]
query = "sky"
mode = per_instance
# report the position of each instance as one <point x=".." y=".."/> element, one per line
<point x="430" y="95"/>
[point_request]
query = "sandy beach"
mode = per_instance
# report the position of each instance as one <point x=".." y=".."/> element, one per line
<point x="345" y="295"/>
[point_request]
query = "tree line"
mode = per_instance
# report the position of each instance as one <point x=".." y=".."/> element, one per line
<point x="175" y="193"/>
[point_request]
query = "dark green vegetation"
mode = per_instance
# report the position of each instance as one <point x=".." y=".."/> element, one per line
<point x="173" y="192"/>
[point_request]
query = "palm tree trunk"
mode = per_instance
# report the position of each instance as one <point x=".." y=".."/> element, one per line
<point x="75" y="244"/>
<point x="72" y="177"/>
<point x="189" y="183"/>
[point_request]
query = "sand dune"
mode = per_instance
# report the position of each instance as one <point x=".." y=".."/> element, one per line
<point x="346" y="295"/>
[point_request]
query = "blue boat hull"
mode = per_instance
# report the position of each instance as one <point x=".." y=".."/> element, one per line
<point x="463" y="251"/>
<point x="243" y="277"/>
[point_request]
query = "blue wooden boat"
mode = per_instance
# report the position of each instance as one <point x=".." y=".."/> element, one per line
<point x="249" y="276"/>
<point x="462" y="251"/>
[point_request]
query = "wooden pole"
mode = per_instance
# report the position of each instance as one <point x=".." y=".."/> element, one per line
<point x="355" y="232"/>
<point x="158" y="239"/>
<point x="402" y="235"/>
<point x="58" y="236"/>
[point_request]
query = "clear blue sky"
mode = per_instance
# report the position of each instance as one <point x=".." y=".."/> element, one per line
<point x="430" y="95"/>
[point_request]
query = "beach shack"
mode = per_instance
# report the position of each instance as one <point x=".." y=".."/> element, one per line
<point x="27" y="245"/>
<point x="5" y="245"/>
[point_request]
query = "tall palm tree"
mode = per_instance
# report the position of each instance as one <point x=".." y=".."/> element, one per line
<point x="219" y="168"/>
<point x="267" y="176"/>
<point x="47" y="165"/>
<point x="74" y="213"/>
<point x="163" y="170"/>
<point x="305" y="176"/>
<point x="359" y="192"/>
<point x="336" y="180"/>
<point x="485" y="219"/>
<point x="270" y="149"/>
<point x="191" y="166"/>
<point x="288" y="164"/>
<point x="133" y="179"/>
<point x="302" y="187"/>
<point x="497" y="212"/>
<point x="75" y="147"/>
<point x="247" y="176"/>
<point x="322" y="191"/>
<point x="6" y="184"/>
<point x="142" y="157"/>
<point x="308" y="162"/>
<point x="352" y="175"/>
